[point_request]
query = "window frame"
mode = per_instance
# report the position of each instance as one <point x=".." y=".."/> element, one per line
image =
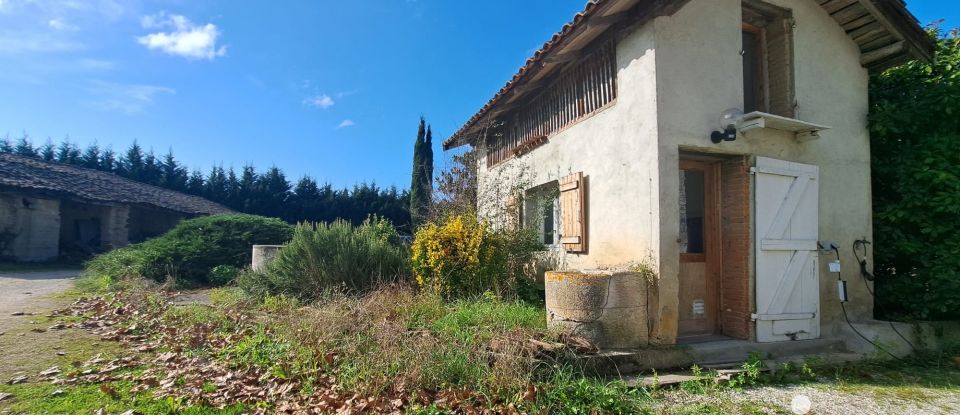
<point x="776" y="57"/>
<point x="535" y="207"/>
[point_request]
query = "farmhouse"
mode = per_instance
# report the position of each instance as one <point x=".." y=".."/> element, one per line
<point x="695" y="166"/>
<point x="49" y="210"/>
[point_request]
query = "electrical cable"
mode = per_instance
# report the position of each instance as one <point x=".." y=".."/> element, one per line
<point x="867" y="276"/>
<point x="847" y="318"/>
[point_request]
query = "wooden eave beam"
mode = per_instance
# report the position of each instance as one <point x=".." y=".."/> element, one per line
<point x="916" y="40"/>
<point x="874" y="56"/>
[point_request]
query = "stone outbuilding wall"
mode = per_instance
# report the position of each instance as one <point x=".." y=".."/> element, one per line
<point x="29" y="228"/>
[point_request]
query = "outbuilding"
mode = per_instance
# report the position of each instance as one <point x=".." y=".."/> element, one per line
<point x="696" y="167"/>
<point x="52" y="210"/>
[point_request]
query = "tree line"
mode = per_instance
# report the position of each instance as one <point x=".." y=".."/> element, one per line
<point x="267" y="193"/>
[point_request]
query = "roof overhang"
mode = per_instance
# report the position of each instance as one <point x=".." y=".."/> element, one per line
<point x="884" y="30"/>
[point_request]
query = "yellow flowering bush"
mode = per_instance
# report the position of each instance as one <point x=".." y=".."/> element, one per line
<point x="460" y="256"/>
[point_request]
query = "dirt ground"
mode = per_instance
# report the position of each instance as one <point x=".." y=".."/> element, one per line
<point x="31" y="292"/>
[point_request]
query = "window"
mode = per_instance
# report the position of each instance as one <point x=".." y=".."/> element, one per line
<point x="767" y="34"/>
<point x="541" y="210"/>
<point x="692" y="208"/>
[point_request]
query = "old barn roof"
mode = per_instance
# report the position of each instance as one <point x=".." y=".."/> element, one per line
<point x="66" y="181"/>
<point x="886" y="32"/>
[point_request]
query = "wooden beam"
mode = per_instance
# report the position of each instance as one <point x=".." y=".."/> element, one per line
<point x="563" y="57"/>
<point x="885" y="52"/>
<point x="610" y="19"/>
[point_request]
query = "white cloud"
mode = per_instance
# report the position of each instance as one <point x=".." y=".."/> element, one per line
<point x="60" y="24"/>
<point x="346" y="123"/>
<point x="128" y="98"/>
<point x="320" y="101"/>
<point x="186" y="39"/>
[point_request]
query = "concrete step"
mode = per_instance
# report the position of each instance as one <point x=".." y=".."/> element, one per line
<point x="725" y="372"/>
<point x="725" y="354"/>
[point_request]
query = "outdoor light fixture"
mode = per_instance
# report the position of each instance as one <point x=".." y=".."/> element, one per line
<point x="728" y="122"/>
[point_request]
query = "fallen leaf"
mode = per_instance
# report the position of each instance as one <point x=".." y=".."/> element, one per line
<point x="17" y="379"/>
<point x="51" y="371"/>
<point x="38" y="330"/>
<point x="61" y="353"/>
<point x="108" y="390"/>
<point x="57" y="392"/>
<point x="4" y="395"/>
<point x="18" y="313"/>
<point x="530" y="394"/>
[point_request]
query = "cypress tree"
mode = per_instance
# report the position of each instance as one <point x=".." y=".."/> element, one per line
<point x="420" y="187"/>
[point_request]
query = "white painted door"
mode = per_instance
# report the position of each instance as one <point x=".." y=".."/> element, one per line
<point x="787" y="286"/>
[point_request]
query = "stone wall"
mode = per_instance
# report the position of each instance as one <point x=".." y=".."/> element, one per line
<point x="29" y="228"/>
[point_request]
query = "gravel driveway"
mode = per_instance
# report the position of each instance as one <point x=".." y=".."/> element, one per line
<point x="29" y="292"/>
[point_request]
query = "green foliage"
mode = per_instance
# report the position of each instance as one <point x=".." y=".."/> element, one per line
<point x="191" y="250"/>
<point x="915" y="139"/>
<point x="322" y="256"/>
<point x="464" y="257"/>
<point x="223" y="274"/>
<point x="421" y="186"/>
<point x="566" y="392"/>
<point x="751" y="372"/>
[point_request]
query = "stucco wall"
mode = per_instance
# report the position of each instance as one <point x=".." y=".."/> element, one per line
<point x="33" y="224"/>
<point x="699" y="75"/>
<point x="615" y="150"/>
<point x="676" y="75"/>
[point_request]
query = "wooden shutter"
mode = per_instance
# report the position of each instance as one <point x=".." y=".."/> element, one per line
<point x="573" y="208"/>
<point x="787" y="284"/>
<point x="779" y="51"/>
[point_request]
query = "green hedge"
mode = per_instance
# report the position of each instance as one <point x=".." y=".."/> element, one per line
<point x="915" y="139"/>
<point x="192" y="249"/>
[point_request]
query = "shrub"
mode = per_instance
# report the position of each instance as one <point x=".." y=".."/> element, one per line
<point x="323" y="256"/>
<point x="191" y="250"/>
<point x="914" y="136"/>
<point x="461" y="256"/>
<point x="223" y="274"/>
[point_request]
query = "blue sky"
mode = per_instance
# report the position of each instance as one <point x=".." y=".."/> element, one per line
<point x="332" y="89"/>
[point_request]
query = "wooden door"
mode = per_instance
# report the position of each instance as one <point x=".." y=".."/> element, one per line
<point x="787" y="286"/>
<point x="699" y="248"/>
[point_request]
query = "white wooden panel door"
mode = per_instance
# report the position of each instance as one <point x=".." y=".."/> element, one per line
<point x="787" y="286"/>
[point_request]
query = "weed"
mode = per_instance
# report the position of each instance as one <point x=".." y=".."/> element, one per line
<point x="566" y="392"/>
<point x="750" y="376"/>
